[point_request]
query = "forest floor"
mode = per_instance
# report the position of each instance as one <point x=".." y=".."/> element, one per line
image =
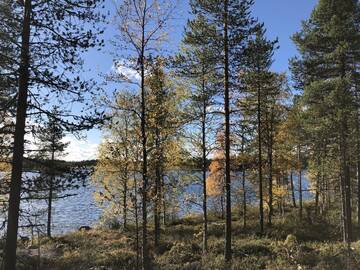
<point x="314" y="243"/>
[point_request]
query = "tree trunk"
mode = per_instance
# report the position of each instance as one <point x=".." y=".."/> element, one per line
<point x="157" y="206"/>
<point x="136" y="222"/>
<point x="49" y="208"/>
<point x="344" y="159"/>
<point x="270" y="162"/>
<point x="145" y="248"/>
<point x="50" y="199"/>
<point x="243" y="178"/>
<point x="300" y="185"/>
<point x="18" y="151"/>
<point x="317" y="191"/>
<point x="343" y="209"/>
<point x="126" y="175"/>
<point x="125" y="204"/>
<point x="292" y="189"/>
<point x="358" y="189"/>
<point x="163" y="191"/>
<point x="228" y="231"/>
<point x="346" y="184"/>
<point x="325" y="188"/>
<point x="358" y="167"/>
<point x="204" y="170"/>
<point x="222" y="213"/>
<point x="244" y="197"/>
<point x="260" y="177"/>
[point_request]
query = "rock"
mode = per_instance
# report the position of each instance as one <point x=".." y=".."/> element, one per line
<point x="85" y="228"/>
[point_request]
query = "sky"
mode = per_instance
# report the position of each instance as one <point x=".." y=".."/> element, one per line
<point x="282" y="18"/>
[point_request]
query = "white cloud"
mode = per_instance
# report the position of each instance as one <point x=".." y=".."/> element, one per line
<point x="80" y="149"/>
<point x="77" y="150"/>
<point x="130" y="74"/>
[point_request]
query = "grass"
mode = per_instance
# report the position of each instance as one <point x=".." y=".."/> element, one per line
<point x="288" y="244"/>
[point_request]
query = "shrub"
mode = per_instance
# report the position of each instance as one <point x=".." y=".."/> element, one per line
<point x="290" y="241"/>
<point x="180" y="254"/>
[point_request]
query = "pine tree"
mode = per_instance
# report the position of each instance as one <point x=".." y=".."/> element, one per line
<point x="328" y="44"/>
<point x="8" y="80"/>
<point x="50" y="35"/>
<point x="197" y="64"/>
<point x="51" y="147"/>
<point x="8" y="64"/>
<point x="234" y="25"/>
<point x="258" y="79"/>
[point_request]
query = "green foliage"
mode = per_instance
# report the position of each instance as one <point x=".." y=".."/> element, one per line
<point x="326" y="73"/>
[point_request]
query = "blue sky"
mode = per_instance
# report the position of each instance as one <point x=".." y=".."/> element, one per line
<point x="282" y="19"/>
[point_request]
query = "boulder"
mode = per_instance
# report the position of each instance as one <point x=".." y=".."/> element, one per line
<point x="85" y="228"/>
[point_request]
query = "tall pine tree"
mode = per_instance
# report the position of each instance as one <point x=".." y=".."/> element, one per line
<point x="52" y="35"/>
<point x="197" y="64"/>
<point x="328" y="44"/>
<point x="234" y="25"/>
<point x="258" y="85"/>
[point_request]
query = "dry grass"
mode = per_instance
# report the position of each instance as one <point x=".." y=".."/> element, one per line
<point x="314" y="246"/>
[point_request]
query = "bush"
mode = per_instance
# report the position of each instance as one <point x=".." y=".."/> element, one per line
<point x="290" y="241"/>
<point x="181" y="254"/>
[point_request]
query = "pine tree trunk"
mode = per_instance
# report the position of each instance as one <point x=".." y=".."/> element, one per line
<point x="145" y="249"/>
<point x="358" y="167"/>
<point x="49" y="217"/>
<point x="317" y="193"/>
<point x="50" y="199"/>
<point x="343" y="209"/>
<point x="260" y="176"/>
<point x="358" y="189"/>
<point x="244" y="197"/>
<point x="292" y="189"/>
<point x="126" y="175"/>
<point x="124" y="206"/>
<point x="204" y="170"/>
<point x="222" y="213"/>
<point x="228" y="230"/>
<point x="163" y="199"/>
<point x="136" y="222"/>
<point x="157" y="200"/>
<point x="325" y="192"/>
<point x="345" y="163"/>
<point x="243" y="178"/>
<point x="346" y="184"/>
<point x="270" y="162"/>
<point x="300" y="185"/>
<point x="125" y="202"/>
<point x="18" y="151"/>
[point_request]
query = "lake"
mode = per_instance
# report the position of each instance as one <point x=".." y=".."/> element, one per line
<point x="73" y="212"/>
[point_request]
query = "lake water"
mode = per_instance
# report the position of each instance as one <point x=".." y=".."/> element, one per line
<point x="73" y="212"/>
<point x="68" y="214"/>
